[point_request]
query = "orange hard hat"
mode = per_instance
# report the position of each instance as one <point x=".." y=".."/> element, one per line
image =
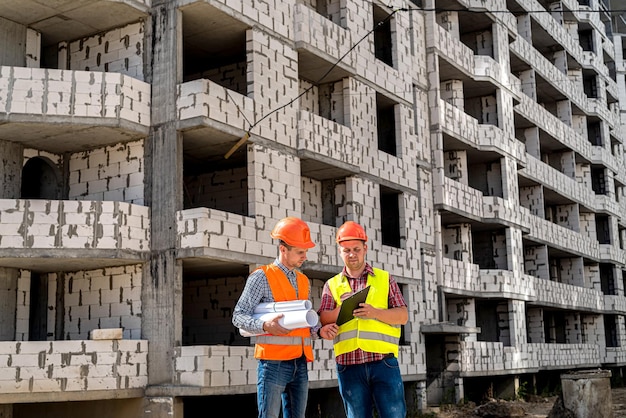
<point x="349" y="231"/>
<point x="293" y="231"/>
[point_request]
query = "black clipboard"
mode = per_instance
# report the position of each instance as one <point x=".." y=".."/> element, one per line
<point x="350" y="304"/>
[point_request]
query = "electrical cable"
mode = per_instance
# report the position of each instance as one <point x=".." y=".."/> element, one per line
<point x="247" y="134"/>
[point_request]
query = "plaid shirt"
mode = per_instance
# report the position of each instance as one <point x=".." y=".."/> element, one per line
<point x="257" y="290"/>
<point x="396" y="299"/>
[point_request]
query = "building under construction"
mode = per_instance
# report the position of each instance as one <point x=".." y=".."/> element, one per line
<point x="148" y="147"/>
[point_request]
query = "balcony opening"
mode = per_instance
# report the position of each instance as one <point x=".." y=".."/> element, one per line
<point x="485" y="176"/>
<point x="38" y="316"/>
<point x="210" y="180"/>
<point x="383" y="37"/>
<point x="598" y="180"/>
<point x="449" y="21"/>
<point x="210" y="291"/>
<point x="331" y="10"/>
<point x="531" y="197"/>
<point x="607" y="279"/>
<point x="555" y="159"/>
<point x="590" y="86"/>
<point x="612" y="70"/>
<point x="456" y="239"/>
<point x="616" y="146"/>
<point x="480" y="42"/>
<point x="554" y="327"/>
<point x="534" y="260"/>
<point x="610" y="331"/>
<point x="476" y="32"/>
<point x="325" y="100"/>
<point x="489" y="249"/>
<point x="390" y="217"/>
<point x="563" y="269"/>
<point x="594" y="133"/>
<point x="585" y="38"/>
<point x="214" y="49"/>
<point x="480" y="102"/>
<point x="386" y="124"/>
<point x="534" y="325"/>
<point x="322" y="199"/>
<point x="492" y="317"/>
<point x="40" y="180"/>
<point x="603" y="229"/>
<point x="555" y="269"/>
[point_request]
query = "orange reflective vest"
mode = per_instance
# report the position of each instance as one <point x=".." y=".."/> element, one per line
<point x="297" y="341"/>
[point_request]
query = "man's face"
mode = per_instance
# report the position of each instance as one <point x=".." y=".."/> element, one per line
<point x="353" y="253"/>
<point x="294" y="257"/>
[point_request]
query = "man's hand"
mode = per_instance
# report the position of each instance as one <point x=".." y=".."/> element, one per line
<point x="329" y="331"/>
<point x="366" y="311"/>
<point x="346" y="295"/>
<point x="273" y="327"/>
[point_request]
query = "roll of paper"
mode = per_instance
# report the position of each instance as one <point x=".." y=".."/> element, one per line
<point x="290" y="320"/>
<point x="292" y="305"/>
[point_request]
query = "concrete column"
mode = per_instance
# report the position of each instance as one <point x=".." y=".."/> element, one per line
<point x="6" y="411"/>
<point x="158" y="407"/>
<point x="588" y="393"/>
<point x="524" y="27"/>
<point x="507" y="387"/>
<point x="568" y="164"/>
<point x="564" y="111"/>
<point x="533" y="145"/>
<point x="459" y="389"/>
<point x="162" y="280"/>
<point x="420" y="395"/>
<point x="11" y="161"/>
<point x="559" y="58"/>
<point x="8" y="301"/>
<point x="517" y="324"/>
<point x="529" y="83"/>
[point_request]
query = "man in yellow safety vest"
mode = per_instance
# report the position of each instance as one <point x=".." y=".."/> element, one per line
<point x="366" y="347"/>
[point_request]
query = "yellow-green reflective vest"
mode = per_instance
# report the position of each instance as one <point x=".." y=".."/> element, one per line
<point x="367" y="334"/>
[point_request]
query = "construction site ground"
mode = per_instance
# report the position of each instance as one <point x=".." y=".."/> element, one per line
<point x="535" y="407"/>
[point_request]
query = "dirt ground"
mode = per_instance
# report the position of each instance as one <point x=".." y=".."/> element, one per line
<point x="535" y="408"/>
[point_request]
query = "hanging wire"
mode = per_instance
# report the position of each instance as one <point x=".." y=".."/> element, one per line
<point x="247" y="134"/>
<point x="245" y="137"/>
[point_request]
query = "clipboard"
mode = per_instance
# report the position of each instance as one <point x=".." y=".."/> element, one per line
<point x="350" y="304"/>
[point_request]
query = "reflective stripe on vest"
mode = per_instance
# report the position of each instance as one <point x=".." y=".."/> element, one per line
<point x="367" y="334"/>
<point x="298" y="341"/>
<point x="278" y="340"/>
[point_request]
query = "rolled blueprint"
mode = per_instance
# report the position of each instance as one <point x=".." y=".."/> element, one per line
<point x="290" y="320"/>
<point x="291" y="305"/>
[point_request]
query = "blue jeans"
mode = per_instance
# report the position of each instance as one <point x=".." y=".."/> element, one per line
<point x="377" y="384"/>
<point x="282" y="382"/>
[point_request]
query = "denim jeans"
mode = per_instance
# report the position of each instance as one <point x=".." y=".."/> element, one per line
<point x="376" y="384"/>
<point x="282" y="382"/>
